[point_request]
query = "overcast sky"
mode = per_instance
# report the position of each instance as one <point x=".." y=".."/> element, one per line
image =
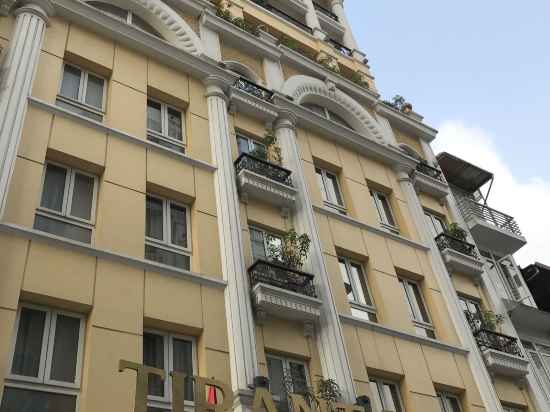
<point x="479" y="71"/>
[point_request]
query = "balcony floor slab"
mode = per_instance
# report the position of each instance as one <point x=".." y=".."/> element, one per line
<point x="255" y="186"/>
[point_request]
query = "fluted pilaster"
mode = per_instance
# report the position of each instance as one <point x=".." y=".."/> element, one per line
<point x="349" y="41"/>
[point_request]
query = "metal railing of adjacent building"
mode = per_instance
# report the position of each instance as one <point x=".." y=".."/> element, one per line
<point x="489" y="339"/>
<point x="263" y="168"/>
<point x="446" y="241"/>
<point x="281" y="276"/>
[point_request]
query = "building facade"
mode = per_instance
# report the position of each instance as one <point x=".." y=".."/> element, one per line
<point x="157" y="158"/>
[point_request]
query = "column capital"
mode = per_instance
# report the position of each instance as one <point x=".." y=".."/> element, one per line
<point x="217" y="86"/>
<point x="403" y="172"/>
<point x="42" y="8"/>
<point x="286" y="120"/>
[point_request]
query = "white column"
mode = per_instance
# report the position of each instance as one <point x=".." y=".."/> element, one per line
<point x="477" y="365"/>
<point x="273" y="74"/>
<point x="210" y="41"/>
<point x="19" y="69"/>
<point x="330" y="339"/>
<point x="312" y="20"/>
<point x="349" y="40"/>
<point x="240" y="321"/>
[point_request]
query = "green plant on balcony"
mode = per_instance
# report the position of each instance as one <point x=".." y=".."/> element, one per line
<point x="399" y="103"/>
<point x="292" y="251"/>
<point x="360" y="79"/>
<point x="222" y="11"/>
<point x="328" y="62"/>
<point x="456" y="231"/>
<point x="270" y="152"/>
<point x="328" y="393"/>
<point x="490" y="320"/>
<point x="290" y="43"/>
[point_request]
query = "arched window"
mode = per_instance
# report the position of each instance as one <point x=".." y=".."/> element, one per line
<point x="125" y="16"/>
<point x="327" y="114"/>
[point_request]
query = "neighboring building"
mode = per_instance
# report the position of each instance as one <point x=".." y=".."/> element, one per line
<point x="142" y="202"/>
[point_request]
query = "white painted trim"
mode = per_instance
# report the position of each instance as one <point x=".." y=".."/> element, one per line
<point x="59" y="111"/>
<point x="406" y="122"/>
<point x="376" y="327"/>
<point x="86" y="249"/>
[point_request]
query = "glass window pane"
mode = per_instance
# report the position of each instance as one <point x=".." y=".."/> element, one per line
<point x="28" y="346"/>
<point x="454" y="404"/>
<point x="377" y="205"/>
<point x="174" y="124"/>
<point x="83" y="195"/>
<point x="178" y="225"/>
<point x="154" y="116"/>
<point x="405" y="295"/>
<point x="183" y="362"/>
<point x="333" y="190"/>
<point x="420" y="303"/>
<point x="439" y="225"/>
<point x="153" y="355"/>
<point x="395" y="398"/>
<point x="70" y="85"/>
<point x="387" y="210"/>
<point x="360" y="285"/>
<point x="321" y="183"/>
<point x="242" y="144"/>
<point x="153" y="218"/>
<point x="338" y="119"/>
<point x="63" y="229"/>
<point x="65" y="348"/>
<point x="276" y="376"/>
<point x="94" y="91"/>
<point x="54" y="188"/>
<point x="389" y="401"/>
<point x="376" y="397"/>
<point x="258" y="149"/>
<point x="25" y="400"/>
<point x="167" y="257"/>
<point x="299" y="379"/>
<point x="257" y="243"/>
<point x="347" y="283"/>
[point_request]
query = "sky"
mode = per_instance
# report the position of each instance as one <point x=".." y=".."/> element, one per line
<point x="479" y="72"/>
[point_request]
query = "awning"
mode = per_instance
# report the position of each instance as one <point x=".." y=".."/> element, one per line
<point x="462" y="174"/>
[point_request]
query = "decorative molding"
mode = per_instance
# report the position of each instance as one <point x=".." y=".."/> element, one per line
<point x="86" y="249"/>
<point x="285" y="304"/>
<point x="253" y="106"/>
<point x="370" y="228"/>
<point x="429" y="185"/>
<point x="463" y="264"/>
<point x="255" y="186"/>
<point x="376" y="327"/>
<point x="503" y="364"/>
<point x="59" y="111"/>
<point x="406" y="123"/>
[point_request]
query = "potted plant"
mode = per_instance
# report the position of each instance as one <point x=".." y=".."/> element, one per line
<point x="292" y="251"/>
<point x="490" y="320"/>
<point x="273" y="150"/>
<point x="328" y="392"/>
<point x="456" y="231"/>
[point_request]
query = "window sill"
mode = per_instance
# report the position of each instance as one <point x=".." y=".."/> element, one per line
<point x="45" y="221"/>
<point x="166" y="142"/>
<point x="336" y="208"/>
<point x="79" y="108"/>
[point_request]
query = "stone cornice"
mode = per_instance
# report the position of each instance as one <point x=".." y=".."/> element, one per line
<point x="373" y="229"/>
<point x="59" y="111"/>
<point x="244" y="40"/>
<point x="376" y="327"/>
<point x="406" y="123"/>
<point x="89" y="250"/>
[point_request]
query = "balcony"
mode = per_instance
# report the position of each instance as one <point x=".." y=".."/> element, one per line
<point x="340" y="47"/>
<point x="261" y="180"/>
<point x="491" y="229"/>
<point x="325" y="12"/>
<point x="459" y="256"/>
<point x="254" y="89"/>
<point x="283" y="15"/>
<point x="283" y="292"/>
<point x="429" y="180"/>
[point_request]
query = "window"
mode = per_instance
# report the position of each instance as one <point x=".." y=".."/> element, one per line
<point x="169" y="353"/>
<point x="327" y="114"/>
<point x="472" y="310"/>
<point x="251" y="146"/>
<point x="540" y="358"/>
<point x="125" y="16"/>
<point x="436" y="223"/>
<point x="82" y="92"/>
<point x="383" y="207"/>
<point x="511" y="409"/>
<point x="165" y="125"/>
<point x="357" y="291"/>
<point x="264" y="243"/>
<point x="330" y="190"/>
<point x="45" y="361"/>
<point x="385" y="396"/>
<point x="417" y="308"/>
<point x="286" y="376"/>
<point x="167" y="237"/>
<point x="67" y="205"/>
<point x="448" y="402"/>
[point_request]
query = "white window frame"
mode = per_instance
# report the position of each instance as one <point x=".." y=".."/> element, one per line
<point x="415" y="309"/>
<point x="286" y="367"/>
<point x="379" y="383"/>
<point x="165" y="243"/>
<point x="371" y="310"/>
<point x="327" y="114"/>
<point x="324" y="177"/>
<point x="445" y="403"/>
<point x="533" y="349"/>
<point x="43" y="383"/>
<point x="164" y="124"/>
<point x="251" y="143"/>
<point x="80" y="101"/>
<point x="384" y="222"/>
<point x="265" y="234"/>
<point x="165" y="402"/>
<point x="434" y="216"/>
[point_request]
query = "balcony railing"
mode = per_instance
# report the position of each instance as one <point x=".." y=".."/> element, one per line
<point x="325" y="11"/>
<point x="446" y="241"/>
<point x="488" y="339"/>
<point x="263" y="168"/>
<point x="431" y="171"/>
<point x="470" y="208"/>
<point x="283" y="15"/>
<point x="346" y="51"/>
<point x="278" y="275"/>
<point x="253" y="89"/>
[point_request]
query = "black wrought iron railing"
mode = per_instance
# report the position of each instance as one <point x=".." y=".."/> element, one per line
<point x="283" y="15"/>
<point x="489" y="339"/>
<point x="325" y="11"/>
<point x="346" y="51"/>
<point x="446" y="241"/>
<point x="254" y="89"/>
<point x="281" y="276"/>
<point x="263" y="168"/>
<point x="431" y="171"/>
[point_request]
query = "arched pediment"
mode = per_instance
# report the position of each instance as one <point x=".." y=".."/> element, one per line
<point x="305" y="89"/>
<point x="166" y="21"/>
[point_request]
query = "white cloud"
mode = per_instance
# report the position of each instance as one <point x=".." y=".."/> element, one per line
<point x="527" y="200"/>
